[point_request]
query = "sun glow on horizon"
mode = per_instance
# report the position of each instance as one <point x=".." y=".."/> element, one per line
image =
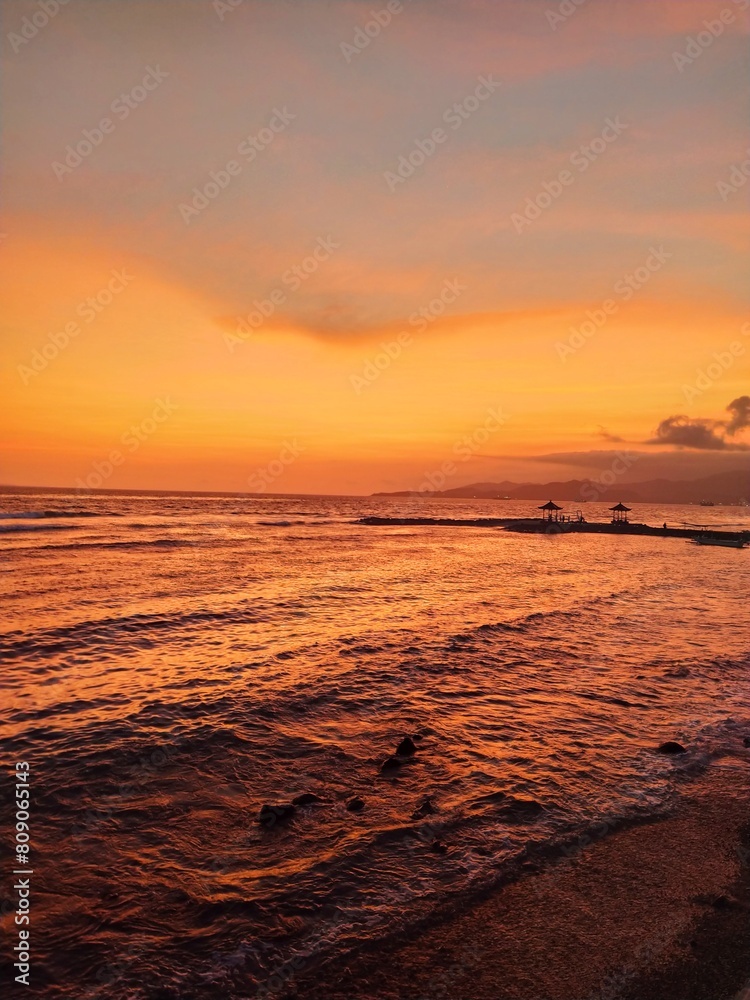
<point x="309" y="305"/>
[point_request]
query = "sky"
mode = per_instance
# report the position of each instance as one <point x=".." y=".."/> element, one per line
<point x="344" y="247"/>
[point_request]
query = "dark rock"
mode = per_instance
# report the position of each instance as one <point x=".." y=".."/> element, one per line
<point x="176" y="896"/>
<point x="720" y="901"/>
<point x="725" y="902"/>
<point x="678" y="672"/>
<point x="427" y="808"/>
<point x="355" y="805"/>
<point x="391" y="764"/>
<point x="671" y="747"/>
<point x="307" y="799"/>
<point x="439" y="847"/>
<point x="529" y="867"/>
<point x="520" y="810"/>
<point x="492" y="797"/>
<point x="270" y="815"/>
<point x="406" y="747"/>
<point x="746" y="741"/>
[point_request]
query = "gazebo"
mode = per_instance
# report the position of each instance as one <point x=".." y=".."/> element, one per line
<point x="620" y="514"/>
<point x="547" y="511"/>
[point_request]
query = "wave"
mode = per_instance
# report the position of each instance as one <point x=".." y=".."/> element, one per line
<point x="88" y="634"/>
<point x="33" y="514"/>
<point x="382" y="878"/>
<point x="292" y="524"/>
<point x="161" y="543"/>
<point x="280" y="524"/>
<point x="535" y="620"/>
<point x="7" y="529"/>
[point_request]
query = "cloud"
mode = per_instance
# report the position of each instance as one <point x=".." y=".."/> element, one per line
<point x="685" y="432"/>
<point x="705" y="434"/>
<point x="605" y="435"/>
<point x="740" y="410"/>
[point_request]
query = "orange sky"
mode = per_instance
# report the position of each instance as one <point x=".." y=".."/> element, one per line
<point x="311" y="223"/>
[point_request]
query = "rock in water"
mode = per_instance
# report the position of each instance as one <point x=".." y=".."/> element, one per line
<point x="406" y="747"/>
<point x="425" y="809"/>
<point x="520" y="810"/>
<point x="671" y="747"/>
<point x="307" y="799"/>
<point x="746" y="741"/>
<point x="355" y="805"/>
<point x="270" y="815"/>
<point x="491" y="797"/>
<point x="679" y="672"/>
<point x="391" y="764"/>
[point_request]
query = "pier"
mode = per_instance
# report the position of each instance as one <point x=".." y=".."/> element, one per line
<point x="545" y="526"/>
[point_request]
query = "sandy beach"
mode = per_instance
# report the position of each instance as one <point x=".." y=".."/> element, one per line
<point x="657" y="911"/>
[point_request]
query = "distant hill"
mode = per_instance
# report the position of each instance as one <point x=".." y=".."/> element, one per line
<point x="724" y="488"/>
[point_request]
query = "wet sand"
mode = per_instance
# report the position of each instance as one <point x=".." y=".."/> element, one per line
<point x="659" y="911"/>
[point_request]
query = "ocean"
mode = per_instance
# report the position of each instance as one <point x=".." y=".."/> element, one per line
<point x="174" y="663"/>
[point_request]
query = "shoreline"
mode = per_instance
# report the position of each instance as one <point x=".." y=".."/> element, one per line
<point x="658" y="910"/>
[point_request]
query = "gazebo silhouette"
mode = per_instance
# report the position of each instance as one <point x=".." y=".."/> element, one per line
<point x="620" y="514"/>
<point x="547" y="511"/>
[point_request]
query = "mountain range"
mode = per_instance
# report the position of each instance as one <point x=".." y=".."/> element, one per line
<point x="722" y="488"/>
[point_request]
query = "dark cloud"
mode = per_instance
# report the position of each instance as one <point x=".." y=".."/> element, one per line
<point x="740" y="410"/>
<point x="703" y="434"/>
<point x="605" y="435"/>
<point x="684" y="432"/>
